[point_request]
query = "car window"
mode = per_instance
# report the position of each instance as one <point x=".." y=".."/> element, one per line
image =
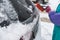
<point x="22" y="10"/>
<point x="17" y="9"/>
<point x="1" y="1"/>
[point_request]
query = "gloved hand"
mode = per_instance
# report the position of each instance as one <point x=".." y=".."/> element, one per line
<point x="55" y="17"/>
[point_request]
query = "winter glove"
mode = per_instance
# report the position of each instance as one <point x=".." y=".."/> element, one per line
<point x="55" y="18"/>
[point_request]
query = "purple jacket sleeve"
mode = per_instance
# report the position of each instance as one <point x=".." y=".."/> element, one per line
<point x="55" y="18"/>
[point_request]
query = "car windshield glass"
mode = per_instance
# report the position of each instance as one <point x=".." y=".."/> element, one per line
<point x="1" y="1"/>
<point x="24" y="12"/>
<point x="16" y="9"/>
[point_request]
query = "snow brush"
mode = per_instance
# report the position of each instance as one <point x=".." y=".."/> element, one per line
<point x="47" y="9"/>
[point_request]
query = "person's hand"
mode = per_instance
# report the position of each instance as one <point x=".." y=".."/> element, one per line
<point x="55" y="18"/>
<point x="51" y="12"/>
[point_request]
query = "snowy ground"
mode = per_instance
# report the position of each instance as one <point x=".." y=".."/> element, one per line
<point x="45" y="28"/>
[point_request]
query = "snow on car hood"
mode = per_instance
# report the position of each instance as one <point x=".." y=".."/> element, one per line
<point x="15" y="30"/>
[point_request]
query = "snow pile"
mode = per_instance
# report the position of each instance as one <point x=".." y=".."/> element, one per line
<point x="46" y="28"/>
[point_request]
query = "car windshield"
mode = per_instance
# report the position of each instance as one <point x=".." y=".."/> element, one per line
<point x="17" y="9"/>
<point x="23" y="8"/>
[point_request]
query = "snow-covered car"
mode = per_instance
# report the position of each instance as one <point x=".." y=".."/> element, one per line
<point x="19" y="20"/>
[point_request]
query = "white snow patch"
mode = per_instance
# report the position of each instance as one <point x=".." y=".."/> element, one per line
<point x="16" y="30"/>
